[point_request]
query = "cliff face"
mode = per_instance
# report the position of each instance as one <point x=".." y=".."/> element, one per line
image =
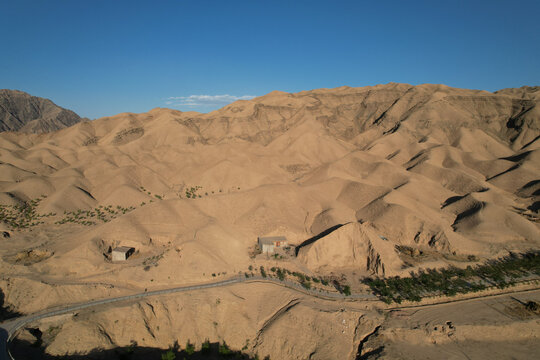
<point x="22" y="112"/>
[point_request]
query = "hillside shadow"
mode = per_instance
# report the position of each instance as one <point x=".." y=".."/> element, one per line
<point x="531" y="184"/>
<point x="5" y="312"/>
<point x="3" y="339"/>
<point x="316" y="237"/>
<point x="518" y="157"/>
<point x="24" y="349"/>
<point x="451" y="200"/>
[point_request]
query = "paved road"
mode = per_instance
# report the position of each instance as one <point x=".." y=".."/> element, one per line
<point x="8" y="328"/>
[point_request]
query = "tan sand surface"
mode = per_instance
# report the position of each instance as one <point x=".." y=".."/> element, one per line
<point x="449" y="173"/>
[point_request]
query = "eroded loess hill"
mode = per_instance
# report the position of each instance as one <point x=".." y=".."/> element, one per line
<point x="383" y="180"/>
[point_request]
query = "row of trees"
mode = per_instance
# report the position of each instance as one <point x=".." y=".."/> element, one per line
<point x="501" y="273"/>
<point x="303" y="279"/>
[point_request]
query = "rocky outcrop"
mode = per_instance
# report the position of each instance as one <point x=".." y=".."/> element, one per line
<point x="22" y="112"/>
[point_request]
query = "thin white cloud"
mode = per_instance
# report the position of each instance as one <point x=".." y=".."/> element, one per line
<point x="205" y="100"/>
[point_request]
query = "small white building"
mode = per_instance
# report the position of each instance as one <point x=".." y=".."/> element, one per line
<point x="121" y="253"/>
<point x="269" y="243"/>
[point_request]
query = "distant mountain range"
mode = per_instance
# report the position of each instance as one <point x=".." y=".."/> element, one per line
<point x="23" y="112"/>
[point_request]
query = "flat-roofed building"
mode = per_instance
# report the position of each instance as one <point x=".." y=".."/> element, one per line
<point x="121" y="253"/>
<point x="269" y="243"/>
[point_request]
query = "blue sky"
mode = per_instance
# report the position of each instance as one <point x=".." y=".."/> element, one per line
<point x="101" y="58"/>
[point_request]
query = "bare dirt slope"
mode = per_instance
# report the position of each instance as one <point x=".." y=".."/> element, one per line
<point x="265" y="320"/>
<point x="495" y="328"/>
<point x="375" y="180"/>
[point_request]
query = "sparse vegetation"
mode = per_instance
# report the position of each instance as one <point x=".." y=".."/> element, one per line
<point x="91" y="217"/>
<point x="208" y="350"/>
<point x="23" y="216"/>
<point x="152" y="261"/>
<point x="191" y="192"/>
<point x="149" y="193"/>
<point x="451" y="281"/>
<point x="121" y="135"/>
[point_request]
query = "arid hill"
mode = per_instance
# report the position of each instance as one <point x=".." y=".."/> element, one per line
<point x="359" y="115"/>
<point x="20" y="111"/>
<point x="372" y="181"/>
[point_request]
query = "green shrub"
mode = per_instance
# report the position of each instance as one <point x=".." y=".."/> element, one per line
<point x="190" y="348"/>
<point x="224" y="349"/>
<point x="205" y="347"/>
<point x="280" y="274"/>
<point x="169" y="355"/>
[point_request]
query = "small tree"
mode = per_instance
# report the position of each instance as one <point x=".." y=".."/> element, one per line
<point x="169" y="355"/>
<point x="280" y="274"/>
<point x="205" y="347"/>
<point x="190" y="348"/>
<point x="224" y="349"/>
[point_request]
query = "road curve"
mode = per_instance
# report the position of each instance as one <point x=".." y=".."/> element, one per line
<point x="9" y="328"/>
